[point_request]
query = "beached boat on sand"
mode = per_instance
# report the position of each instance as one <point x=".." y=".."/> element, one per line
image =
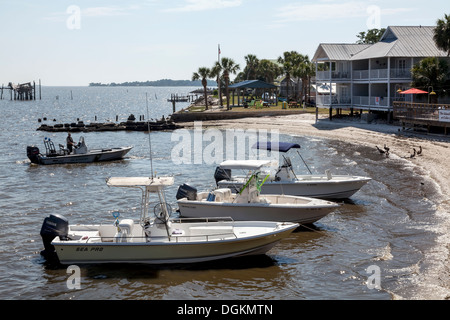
<point x="157" y="239"/>
<point x="286" y="181"/>
<point x="81" y="154"/>
<point x="248" y="203"/>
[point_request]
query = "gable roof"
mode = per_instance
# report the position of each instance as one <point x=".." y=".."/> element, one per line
<point x="252" y="84"/>
<point x="401" y="41"/>
<point x="397" y="41"/>
<point x="338" y="51"/>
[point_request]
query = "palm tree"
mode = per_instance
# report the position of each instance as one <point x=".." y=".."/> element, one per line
<point x="203" y="73"/>
<point x="228" y="66"/>
<point x="216" y="70"/>
<point x="442" y="34"/>
<point x="268" y="71"/>
<point x="303" y="69"/>
<point x="288" y="61"/>
<point x="251" y="67"/>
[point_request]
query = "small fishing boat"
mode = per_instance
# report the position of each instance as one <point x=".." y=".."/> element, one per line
<point x="286" y="181"/>
<point x="81" y="154"/>
<point x="248" y="203"/>
<point x="156" y="238"/>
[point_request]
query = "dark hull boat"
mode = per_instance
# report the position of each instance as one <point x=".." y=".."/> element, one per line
<point x="80" y="154"/>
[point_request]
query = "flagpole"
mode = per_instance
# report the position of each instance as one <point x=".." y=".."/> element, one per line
<point x="218" y="76"/>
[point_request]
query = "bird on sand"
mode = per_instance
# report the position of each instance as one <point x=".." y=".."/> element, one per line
<point x="419" y="153"/>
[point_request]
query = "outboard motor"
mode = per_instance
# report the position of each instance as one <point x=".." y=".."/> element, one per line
<point x="186" y="191"/>
<point x="222" y="174"/>
<point x="55" y="225"/>
<point x="32" y="154"/>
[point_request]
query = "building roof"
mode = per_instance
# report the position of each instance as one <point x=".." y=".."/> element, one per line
<point x="403" y="42"/>
<point x="338" y="51"/>
<point x="252" y="84"/>
<point x="397" y="41"/>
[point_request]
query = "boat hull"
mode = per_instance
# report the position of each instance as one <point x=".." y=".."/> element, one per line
<point x="339" y="187"/>
<point x="178" y="250"/>
<point x="288" y="212"/>
<point x="92" y="156"/>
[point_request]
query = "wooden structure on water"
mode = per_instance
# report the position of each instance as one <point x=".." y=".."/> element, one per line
<point x="413" y="115"/>
<point x="21" y="91"/>
<point x="174" y="98"/>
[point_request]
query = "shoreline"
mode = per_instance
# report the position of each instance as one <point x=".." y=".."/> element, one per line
<point x="432" y="162"/>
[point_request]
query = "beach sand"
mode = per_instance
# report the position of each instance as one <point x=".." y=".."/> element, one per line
<point x="434" y="162"/>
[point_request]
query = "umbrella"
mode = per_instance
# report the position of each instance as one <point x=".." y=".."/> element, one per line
<point x="413" y="91"/>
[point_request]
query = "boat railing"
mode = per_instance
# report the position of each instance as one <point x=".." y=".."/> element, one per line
<point x="173" y="237"/>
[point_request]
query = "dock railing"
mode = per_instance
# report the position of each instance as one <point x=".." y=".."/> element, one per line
<point x="428" y="114"/>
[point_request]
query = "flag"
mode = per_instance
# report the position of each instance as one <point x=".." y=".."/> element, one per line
<point x="219" y="48"/>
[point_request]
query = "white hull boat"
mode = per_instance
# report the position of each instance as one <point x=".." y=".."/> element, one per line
<point x="285" y="181"/>
<point x="249" y="204"/>
<point x="80" y="154"/>
<point x="156" y="239"/>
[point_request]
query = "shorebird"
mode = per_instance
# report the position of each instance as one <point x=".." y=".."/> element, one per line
<point x="420" y="151"/>
<point x="414" y="153"/>
<point x="380" y="151"/>
<point x="386" y="148"/>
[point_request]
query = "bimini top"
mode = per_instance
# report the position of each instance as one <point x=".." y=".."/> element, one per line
<point x="277" y="146"/>
<point x="244" y="164"/>
<point x="152" y="184"/>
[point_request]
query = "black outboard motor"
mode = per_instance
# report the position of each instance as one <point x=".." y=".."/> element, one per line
<point x="32" y="154"/>
<point x="222" y="174"/>
<point x="186" y="191"/>
<point x="55" y="225"/>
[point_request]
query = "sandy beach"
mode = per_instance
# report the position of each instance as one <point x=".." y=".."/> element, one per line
<point x="432" y="163"/>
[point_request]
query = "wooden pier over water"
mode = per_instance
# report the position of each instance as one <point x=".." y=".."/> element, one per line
<point x="427" y="115"/>
<point x="21" y="91"/>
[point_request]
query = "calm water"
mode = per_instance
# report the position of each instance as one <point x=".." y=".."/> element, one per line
<point x="392" y="223"/>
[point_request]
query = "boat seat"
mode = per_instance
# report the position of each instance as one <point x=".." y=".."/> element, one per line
<point x="126" y="231"/>
<point x="222" y="194"/>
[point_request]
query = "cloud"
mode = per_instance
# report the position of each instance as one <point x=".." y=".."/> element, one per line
<point x="202" y="5"/>
<point x="330" y="10"/>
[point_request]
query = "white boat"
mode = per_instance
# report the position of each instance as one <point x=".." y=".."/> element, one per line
<point x="286" y="181"/>
<point x="155" y="238"/>
<point x="81" y="154"/>
<point x="248" y="203"/>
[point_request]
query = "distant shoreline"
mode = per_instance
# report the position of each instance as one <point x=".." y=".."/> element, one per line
<point x="157" y="83"/>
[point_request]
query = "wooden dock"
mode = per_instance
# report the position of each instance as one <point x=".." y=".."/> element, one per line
<point x="426" y="115"/>
<point x="21" y="91"/>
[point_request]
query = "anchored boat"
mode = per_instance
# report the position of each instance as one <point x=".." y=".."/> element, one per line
<point x="248" y="203"/>
<point x="155" y="238"/>
<point x="81" y="154"/>
<point x="286" y="181"/>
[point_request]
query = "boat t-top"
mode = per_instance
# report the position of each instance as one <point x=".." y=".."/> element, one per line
<point x="286" y="181"/>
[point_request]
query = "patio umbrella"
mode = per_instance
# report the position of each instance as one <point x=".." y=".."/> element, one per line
<point x="413" y="91"/>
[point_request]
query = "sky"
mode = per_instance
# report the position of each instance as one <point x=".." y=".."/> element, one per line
<point x="73" y="43"/>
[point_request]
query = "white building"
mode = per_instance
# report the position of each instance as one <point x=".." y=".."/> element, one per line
<point x="369" y="76"/>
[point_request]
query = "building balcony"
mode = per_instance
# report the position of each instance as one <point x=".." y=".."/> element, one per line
<point x="365" y="75"/>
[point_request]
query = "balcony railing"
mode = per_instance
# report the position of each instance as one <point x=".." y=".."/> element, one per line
<point x="326" y="100"/>
<point x="374" y="74"/>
